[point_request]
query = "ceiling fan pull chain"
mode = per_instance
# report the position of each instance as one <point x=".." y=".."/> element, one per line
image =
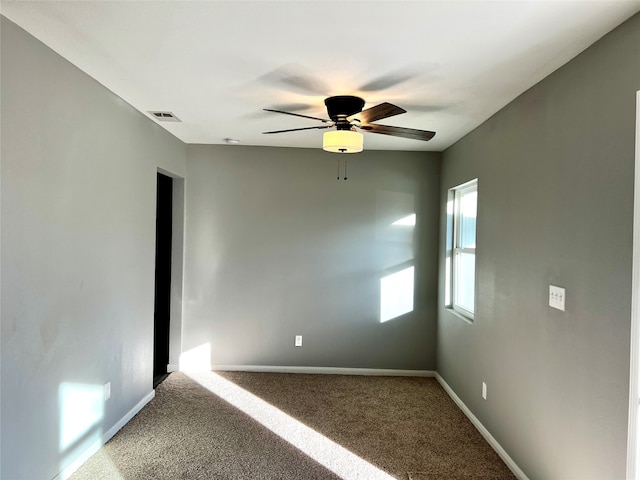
<point x="338" y="168"/>
<point x="345" y="168"/>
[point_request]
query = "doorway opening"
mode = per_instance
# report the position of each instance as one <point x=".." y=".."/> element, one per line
<point x="162" y="303"/>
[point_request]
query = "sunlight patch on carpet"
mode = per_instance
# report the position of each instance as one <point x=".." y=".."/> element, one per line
<point x="326" y="452"/>
<point x="100" y="462"/>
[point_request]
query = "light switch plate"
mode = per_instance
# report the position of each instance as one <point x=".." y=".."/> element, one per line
<point x="556" y="297"/>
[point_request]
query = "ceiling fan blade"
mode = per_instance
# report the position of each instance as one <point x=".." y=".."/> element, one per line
<point x="384" y="110"/>
<point x="297" y="129"/>
<point x="297" y="115"/>
<point x="399" y="131"/>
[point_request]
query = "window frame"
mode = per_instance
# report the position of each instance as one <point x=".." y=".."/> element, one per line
<point x="455" y="248"/>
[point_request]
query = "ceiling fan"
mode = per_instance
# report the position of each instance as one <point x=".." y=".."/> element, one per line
<point x="347" y="116"/>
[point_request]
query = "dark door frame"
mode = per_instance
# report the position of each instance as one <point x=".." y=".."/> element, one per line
<point x="162" y="295"/>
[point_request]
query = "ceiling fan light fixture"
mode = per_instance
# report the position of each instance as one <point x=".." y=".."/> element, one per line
<point x="342" y="141"/>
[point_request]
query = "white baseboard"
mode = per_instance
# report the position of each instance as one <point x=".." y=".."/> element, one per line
<point x="520" y="475"/>
<point x="172" y="367"/>
<point x="324" y="370"/>
<point x="95" y="446"/>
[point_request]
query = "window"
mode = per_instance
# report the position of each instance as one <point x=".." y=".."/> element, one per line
<point x="461" y="252"/>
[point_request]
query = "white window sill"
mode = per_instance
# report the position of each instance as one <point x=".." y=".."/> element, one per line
<point x="454" y="312"/>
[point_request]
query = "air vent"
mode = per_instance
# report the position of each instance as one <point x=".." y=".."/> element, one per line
<point x="165" y="116"/>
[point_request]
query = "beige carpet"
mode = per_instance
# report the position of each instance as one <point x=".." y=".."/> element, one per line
<point x="405" y="427"/>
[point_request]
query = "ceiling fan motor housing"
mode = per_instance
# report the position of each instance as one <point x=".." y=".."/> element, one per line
<point x="342" y="106"/>
<point x="346" y="114"/>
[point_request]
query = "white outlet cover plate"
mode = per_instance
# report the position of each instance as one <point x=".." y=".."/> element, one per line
<point x="298" y="342"/>
<point x="556" y="297"/>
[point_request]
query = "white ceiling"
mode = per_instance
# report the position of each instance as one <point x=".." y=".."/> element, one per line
<point x="217" y="64"/>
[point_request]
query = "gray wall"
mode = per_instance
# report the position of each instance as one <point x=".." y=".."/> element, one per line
<point x="276" y="246"/>
<point x="555" y="171"/>
<point x="77" y="253"/>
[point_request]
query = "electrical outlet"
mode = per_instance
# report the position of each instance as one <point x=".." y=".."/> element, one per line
<point x="556" y="297"/>
<point x="107" y="390"/>
<point x="298" y="342"/>
<point x="484" y="390"/>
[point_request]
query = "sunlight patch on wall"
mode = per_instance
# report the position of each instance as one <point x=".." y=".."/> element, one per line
<point x="396" y="294"/>
<point x="329" y="454"/>
<point x="81" y="410"/>
<point x="395" y="217"/>
<point x="197" y="359"/>
<point x="408" y="221"/>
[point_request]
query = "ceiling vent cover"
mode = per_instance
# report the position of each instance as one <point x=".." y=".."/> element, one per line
<point x="164" y="116"/>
